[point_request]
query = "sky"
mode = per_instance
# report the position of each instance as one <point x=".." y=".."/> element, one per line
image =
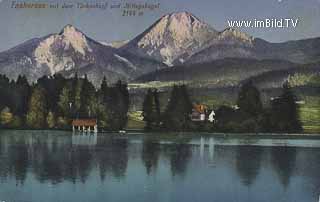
<point x="19" y="25"/>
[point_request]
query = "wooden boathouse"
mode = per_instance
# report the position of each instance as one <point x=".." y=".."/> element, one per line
<point x="85" y="125"/>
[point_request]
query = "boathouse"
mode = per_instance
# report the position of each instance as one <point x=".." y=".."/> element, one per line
<point x="85" y="125"/>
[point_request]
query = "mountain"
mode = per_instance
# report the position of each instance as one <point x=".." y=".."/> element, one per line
<point x="176" y="41"/>
<point x="230" y="43"/>
<point x="300" y="51"/>
<point x="71" y="51"/>
<point x="198" y="53"/>
<point x="173" y="37"/>
<point x="230" y="72"/>
<point x="182" y="38"/>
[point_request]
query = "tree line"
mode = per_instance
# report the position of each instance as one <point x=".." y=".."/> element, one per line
<point x="53" y="102"/>
<point x="249" y="115"/>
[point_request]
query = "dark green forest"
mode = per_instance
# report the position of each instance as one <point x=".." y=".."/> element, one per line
<point x="52" y="103"/>
<point x="249" y="115"/>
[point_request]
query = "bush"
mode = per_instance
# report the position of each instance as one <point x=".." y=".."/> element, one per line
<point x="6" y="116"/>
<point x="51" y="122"/>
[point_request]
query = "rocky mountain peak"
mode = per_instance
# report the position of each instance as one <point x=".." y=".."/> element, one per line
<point x="68" y="52"/>
<point x="232" y="33"/>
<point x="184" y="19"/>
<point x="69" y="28"/>
<point x="75" y="37"/>
<point x="70" y="41"/>
<point x="172" y="36"/>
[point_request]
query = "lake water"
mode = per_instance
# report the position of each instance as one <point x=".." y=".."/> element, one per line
<point x="38" y="166"/>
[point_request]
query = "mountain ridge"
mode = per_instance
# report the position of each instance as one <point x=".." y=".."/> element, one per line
<point x="175" y="39"/>
<point x="68" y="51"/>
<point x="171" y="37"/>
<point x="229" y="72"/>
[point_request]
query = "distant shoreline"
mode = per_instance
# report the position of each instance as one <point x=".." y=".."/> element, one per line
<point x="183" y="134"/>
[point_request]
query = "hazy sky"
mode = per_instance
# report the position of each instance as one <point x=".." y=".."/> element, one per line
<point x="19" y="25"/>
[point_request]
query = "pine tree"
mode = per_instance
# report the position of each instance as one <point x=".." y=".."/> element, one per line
<point x="37" y="113"/>
<point x="151" y="110"/>
<point x="65" y="102"/>
<point x="24" y="90"/>
<point x="53" y="86"/>
<point x="118" y="105"/>
<point x="285" y="112"/>
<point x="104" y="88"/>
<point x="157" y="108"/>
<point x="4" y="92"/>
<point x="88" y="99"/>
<point x="76" y="87"/>
<point x="179" y="108"/>
<point x="102" y="109"/>
<point x="122" y="105"/>
<point x="249" y="99"/>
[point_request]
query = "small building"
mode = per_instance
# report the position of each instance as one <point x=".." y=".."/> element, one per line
<point x="212" y="116"/>
<point x="85" y="125"/>
<point x="199" y="112"/>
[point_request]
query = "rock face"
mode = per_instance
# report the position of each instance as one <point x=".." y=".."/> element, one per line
<point x="173" y="37"/>
<point x="60" y="52"/>
<point x="72" y="51"/>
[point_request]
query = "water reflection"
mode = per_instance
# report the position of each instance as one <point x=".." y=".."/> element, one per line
<point x="80" y="138"/>
<point x="248" y="163"/>
<point x="123" y="162"/>
<point x="18" y="161"/>
<point x="283" y="161"/>
<point x="150" y="154"/>
<point x="211" y="149"/>
<point x="55" y="159"/>
<point x="179" y="155"/>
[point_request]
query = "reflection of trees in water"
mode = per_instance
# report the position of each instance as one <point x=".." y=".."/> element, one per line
<point x="56" y="160"/>
<point x="248" y="163"/>
<point x="84" y="161"/>
<point x="179" y="155"/>
<point x="113" y="157"/>
<point x="308" y="167"/>
<point x="49" y="160"/>
<point x="283" y="161"/>
<point x="150" y="155"/>
<point x="18" y="161"/>
<point x="3" y="160"/>
<point x="13" y="159"/>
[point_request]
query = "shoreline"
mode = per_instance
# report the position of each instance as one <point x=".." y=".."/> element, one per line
<point x="180" y="134"/>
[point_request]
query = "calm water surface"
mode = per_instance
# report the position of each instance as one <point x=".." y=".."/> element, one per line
<point x="64" y="167"/>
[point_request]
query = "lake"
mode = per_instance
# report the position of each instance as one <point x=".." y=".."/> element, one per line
<point x="47" y="166"/>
